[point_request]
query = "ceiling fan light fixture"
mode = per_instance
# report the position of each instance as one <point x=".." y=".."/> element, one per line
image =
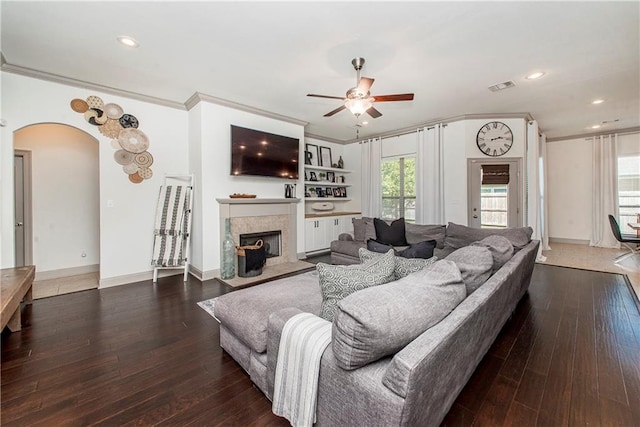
<point x="357" y="106"/>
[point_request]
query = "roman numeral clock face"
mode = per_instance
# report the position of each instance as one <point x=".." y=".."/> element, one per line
<point x="494" y="139"/>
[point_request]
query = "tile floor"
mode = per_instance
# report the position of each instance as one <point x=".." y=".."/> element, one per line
<point x="598" y="259"/>
<point x="562" y="254"/>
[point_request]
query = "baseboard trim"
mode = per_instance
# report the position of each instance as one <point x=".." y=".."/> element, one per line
<point x="568" y="241"/>
<point x="66" y="272"/>
<point x="136" y="277"/>
<point x="202" y="276"/>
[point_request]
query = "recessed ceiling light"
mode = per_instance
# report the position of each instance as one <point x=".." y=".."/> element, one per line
<point x="595" y="127"/>
<point x="597" y="101"/>
<point x="365" y="123"/>
<point x="535" y="75"/>
<point x="128" y="41"/>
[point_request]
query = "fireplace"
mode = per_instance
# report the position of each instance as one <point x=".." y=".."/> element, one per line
<point x="271" y="239"/>
<point x="263" y="216"/>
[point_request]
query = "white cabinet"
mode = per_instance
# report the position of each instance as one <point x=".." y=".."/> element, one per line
<point x="321" y="231"/>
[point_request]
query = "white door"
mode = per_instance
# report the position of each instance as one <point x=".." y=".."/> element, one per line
<point x="494" y="193"/>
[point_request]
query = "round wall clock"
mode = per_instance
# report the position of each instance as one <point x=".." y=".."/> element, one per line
<point x="494" y="139"/>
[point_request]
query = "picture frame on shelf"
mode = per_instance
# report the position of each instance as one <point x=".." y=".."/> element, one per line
<point x="312" y="176"/>
<point x="331" y="177"/>
<point x="311" y="155"/>
<point x="329" y="192"/>
<point x="312" y="192"/>
<point x="325" y="156"/>
<point x="319" y="192"/>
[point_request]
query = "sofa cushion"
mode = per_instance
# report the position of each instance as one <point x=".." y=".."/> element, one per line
<point x="390" y="234"/>
<point x="245" y="312"/>
<point x="363" y="229"/>
<point x="500" y="247"/>
<point x="459" y="236"/>
<point x="379" y="321"/>
<point x="422" y="250"/>
<point x="338" y="281"/>
<point x="404" y="266"/>
<point x="416" y="233"/>
<point x="347" y="247"/>
<point x="475" y="264"/>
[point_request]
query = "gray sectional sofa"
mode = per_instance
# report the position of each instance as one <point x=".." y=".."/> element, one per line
<point x="414" y="385"/>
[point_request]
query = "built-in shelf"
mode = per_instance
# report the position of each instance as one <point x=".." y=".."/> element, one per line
<point x="325" y="168"/>
<point x="326" y="184"/>
<point x="327" y="199"/>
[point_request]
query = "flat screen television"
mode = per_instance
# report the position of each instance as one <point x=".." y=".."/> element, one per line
<point x="255" y="152"/>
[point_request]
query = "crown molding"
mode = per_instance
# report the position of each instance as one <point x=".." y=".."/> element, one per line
<point x="624" y="131"/>
<point x="201" y="97"/>
<point x="55" y="78"/>
<point x="446" y="120"/>
<point x="324" y="138"/>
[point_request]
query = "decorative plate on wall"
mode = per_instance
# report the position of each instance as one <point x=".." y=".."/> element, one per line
<point x="129" y="121"/>
<point x="95" y="102"/>
<point x="135" y="178"/>
<point x="145" y="173"/>
<point x="113" y="111"/>
<point x="133" y="140"/>
<point x="111" y="129"/>
<point x="79" y="105"/>
<point x="144" y="159"/>
<point x="130" y="168"/>
<point x="95" y="116"/>
<point x="123" y="157"/>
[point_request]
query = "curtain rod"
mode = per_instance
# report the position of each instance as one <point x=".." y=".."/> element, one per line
<point x="631" y="132"/>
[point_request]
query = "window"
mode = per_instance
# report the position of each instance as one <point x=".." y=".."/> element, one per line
<point x="494" y="204"/>
<point x="399" y="188"/>
<point x="628" y="191"/>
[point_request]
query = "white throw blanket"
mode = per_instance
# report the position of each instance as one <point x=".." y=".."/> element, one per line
<point x="304" y="338"/>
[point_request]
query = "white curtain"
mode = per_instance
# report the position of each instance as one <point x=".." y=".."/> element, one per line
<point x="536" y="187"/>
<point x="544" y="205"/>
<point x="605" y="190"/>
<point x="372" y="178"/>
<point x="430" y="176"/>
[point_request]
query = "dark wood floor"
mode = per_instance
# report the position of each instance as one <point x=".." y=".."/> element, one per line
<point x="146" y="354"/>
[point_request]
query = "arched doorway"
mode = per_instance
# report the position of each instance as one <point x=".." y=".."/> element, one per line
<point x="61" y="206"/>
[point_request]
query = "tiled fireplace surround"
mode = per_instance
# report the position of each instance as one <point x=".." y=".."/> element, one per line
<point x="260" y="215"/>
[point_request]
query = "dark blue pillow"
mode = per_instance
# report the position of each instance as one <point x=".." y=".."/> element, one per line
<point x="375" y="246"/>
<point x="422" y="250"/>
<point x="390" y="234"/>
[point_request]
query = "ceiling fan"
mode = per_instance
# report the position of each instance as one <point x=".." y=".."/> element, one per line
<point x="359" y="99"/>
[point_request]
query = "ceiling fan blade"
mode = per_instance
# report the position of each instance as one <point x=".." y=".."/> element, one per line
<point x="365" y="84"/>
<point x="337" y="110"/>
<point x="396" y="97"/>
<point x="325" y="96"/>
<point x="374" y="113"/>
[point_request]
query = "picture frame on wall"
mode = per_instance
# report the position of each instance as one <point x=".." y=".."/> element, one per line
<point x="325" y="156"/>
<point x="311" y="155"/>
<point x="331" y="177"/>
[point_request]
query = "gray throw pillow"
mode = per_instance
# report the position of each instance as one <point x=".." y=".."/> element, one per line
<point x="417" y="233"/>
<point x="459" y="236"/>
<point x="475" y="264"/>
<point x="380" y="321"/>
<point x="403" y="267"/>
<point x="359" y="228"/>
<point x="338" y="281"/>
<point x="500" y="247"/>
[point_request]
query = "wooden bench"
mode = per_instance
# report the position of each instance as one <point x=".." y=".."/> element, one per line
<point x="15" y="285"/>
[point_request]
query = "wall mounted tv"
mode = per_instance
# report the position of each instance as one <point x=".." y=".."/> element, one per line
<point x="255" y="152"/>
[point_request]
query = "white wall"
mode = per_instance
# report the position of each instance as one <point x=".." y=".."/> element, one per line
<point x="213" y="153"/>
<point x="569" y="182"/>
<point x="65" y="195"/>
<point x="126" y="229"/>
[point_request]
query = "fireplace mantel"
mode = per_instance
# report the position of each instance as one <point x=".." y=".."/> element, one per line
<point x="255" y="201"/>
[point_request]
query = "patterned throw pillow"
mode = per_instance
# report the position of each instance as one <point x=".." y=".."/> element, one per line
<point x="338" y="281"/>
<point x="403" y="267"/>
